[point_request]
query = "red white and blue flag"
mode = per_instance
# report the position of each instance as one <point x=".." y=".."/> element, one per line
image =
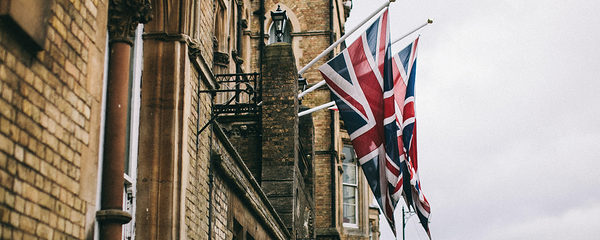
<point x="404" y="70"/>
<point x="361" y="79"/>
<point x="374" y="93"/>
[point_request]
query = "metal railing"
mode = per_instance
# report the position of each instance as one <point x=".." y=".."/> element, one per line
<point x="239" y="94"/>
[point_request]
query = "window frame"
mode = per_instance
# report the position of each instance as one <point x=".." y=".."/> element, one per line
<point x="130" y="175"/>
<point x="355" y="186"/>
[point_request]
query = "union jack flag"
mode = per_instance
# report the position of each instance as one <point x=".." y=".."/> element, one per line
<point x="404" y="70"/>
<point x="361" y="79"/>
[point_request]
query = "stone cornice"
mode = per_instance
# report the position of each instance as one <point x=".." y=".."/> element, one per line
<point x="124" y="16"/>
<point x="113" y="215"/>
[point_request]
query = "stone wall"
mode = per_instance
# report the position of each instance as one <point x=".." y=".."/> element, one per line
<point x="49" y="124"/>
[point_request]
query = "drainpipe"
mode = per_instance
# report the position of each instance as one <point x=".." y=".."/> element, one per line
<point x="261" y="49"/>
<point x="261" y="38"/>
<point x="123" y="18"/>
<point x="332" y="127"/>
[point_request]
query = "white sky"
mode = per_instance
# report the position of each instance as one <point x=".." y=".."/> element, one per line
<point x="507" y="101"/>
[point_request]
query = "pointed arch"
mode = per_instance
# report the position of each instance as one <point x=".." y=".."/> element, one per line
<point x="295" y="28"/>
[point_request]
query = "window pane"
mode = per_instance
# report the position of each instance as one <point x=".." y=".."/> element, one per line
<point x="349" y="175"/>
<point x="349" y="195"/>
<point x="349" y="213"/>
<point x="348" y="156"/>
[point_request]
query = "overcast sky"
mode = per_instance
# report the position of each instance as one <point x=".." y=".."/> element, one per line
<point x="507" y="102"/>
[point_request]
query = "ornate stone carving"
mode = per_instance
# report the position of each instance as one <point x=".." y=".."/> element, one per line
<point x="113" y="215"/>
<point x="194" y="48"/>
<point x="124" y="16"/>
<point x="221" y="59"/>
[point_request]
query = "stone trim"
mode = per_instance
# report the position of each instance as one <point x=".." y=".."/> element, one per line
<point x="221" y="59"/>
<point x="113" y="215"/>
<point x="124" y="16"/>
<point x="328" y="232"/>
<point x="312" y="33"/>
<point x="194" y="52"/>
<point x="294" y="34"/>
<point x="233" y="168"/>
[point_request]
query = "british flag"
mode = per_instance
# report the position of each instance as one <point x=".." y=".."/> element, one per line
<point x="361" y="80"/>
<point x="404" y="70"/>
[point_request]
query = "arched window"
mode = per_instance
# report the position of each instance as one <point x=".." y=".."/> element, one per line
<point x="286" y="35"/>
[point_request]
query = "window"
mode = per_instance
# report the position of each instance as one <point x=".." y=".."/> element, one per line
<point x="133" y="119"/>
<point x="220" y="27"/>
<point x="370" y="230"/>
<point x="349" y="187"/>
<point x="130" y="175"/>
<point x="287" y="33"/>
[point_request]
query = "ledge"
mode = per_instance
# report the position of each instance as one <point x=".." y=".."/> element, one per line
<point x="113" y="215"/>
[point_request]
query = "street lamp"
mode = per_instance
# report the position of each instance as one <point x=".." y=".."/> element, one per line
<point x="279" y="18"/>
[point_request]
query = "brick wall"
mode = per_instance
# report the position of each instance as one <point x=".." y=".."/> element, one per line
<point x="280" y="131"/>
<point x="196" y="202"/>
<point x="49" y="125"/>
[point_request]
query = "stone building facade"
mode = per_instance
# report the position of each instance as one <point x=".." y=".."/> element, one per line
<point x="168" y="119"/>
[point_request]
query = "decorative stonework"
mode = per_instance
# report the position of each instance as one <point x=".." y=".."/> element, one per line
<point x="124" y="16"/>
<point x="194" y="48"/>
<point x="113" y="215"/>
<point x="221" y="59"/>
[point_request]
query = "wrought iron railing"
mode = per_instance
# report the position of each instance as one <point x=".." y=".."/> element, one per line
<point x="239" y="94"/>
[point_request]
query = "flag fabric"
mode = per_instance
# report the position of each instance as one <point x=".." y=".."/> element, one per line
<point x="404" y="71"/>
<point x="361" y="80"/>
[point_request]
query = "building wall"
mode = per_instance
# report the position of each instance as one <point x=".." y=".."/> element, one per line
<point x="49" y="123"/>
<point x="191" y="178"/>
<point x="191" y="184"/>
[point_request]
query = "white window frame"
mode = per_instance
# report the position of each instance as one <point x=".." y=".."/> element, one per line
<point x="129" y="189"/>
<point x="353" y="185"/>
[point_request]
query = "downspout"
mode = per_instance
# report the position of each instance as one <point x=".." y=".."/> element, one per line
<point x="332" y="127"/>
<point x="210" y="169"/>
<point x="238" y="45"/>
<point x="122" y="21"/>
<point x="261" y="38"/>
<point x="261" y="49"/>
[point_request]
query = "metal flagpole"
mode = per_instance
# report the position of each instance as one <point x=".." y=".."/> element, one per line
<point x="321" y="83"/>
<point x="429" y="21"/>
<point x="326" y="105"/>
<point x="326" y="51"/>
<point x="403" y="222"/>
<point x="404" y="218"/>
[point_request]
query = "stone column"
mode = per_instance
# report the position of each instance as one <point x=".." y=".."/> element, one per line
<point x="280" y="129"/>
<point x="124" y="17"/>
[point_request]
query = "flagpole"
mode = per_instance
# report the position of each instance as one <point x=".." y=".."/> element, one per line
<point x="326" y="51"/>
<point x="429" y="21"/>
<point x="403" y="222"/>
<point x="326" y="105"/>
<point x="321" y="83"/>
<point x="318" y="85"/>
